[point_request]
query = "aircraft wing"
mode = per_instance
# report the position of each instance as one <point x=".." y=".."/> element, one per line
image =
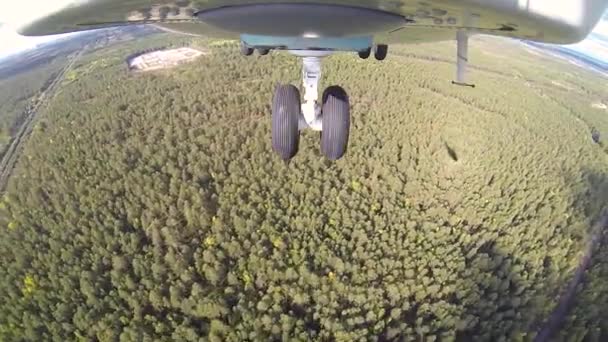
<point x="562" y="22"/>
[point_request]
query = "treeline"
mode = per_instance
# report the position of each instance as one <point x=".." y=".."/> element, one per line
<point x="151" y="206"/>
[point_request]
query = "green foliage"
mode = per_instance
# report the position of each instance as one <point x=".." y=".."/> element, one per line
<point x="151" y="206"/>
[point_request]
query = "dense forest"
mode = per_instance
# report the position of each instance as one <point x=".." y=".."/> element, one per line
<point x="150" y="207"/>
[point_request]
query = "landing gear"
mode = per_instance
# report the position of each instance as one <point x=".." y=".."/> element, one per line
<point x="332" y="118"/>
<point x="285" y="117"/>
<point x="380" y="51"/>
<point x="336" y="123"/>
<point x="462" y="58"/>
<point x="365" y="53"/>
<point x="246" y="50"/>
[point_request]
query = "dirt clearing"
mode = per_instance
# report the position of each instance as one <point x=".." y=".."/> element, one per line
<point x="164" y="59"/>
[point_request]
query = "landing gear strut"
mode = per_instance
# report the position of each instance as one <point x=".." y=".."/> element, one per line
<point x="285" y="117"/>
<point x="462" y="58"/>
<point x="332" y="117"/>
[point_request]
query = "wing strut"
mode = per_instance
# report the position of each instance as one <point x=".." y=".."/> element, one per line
<point x="462" y="58"/>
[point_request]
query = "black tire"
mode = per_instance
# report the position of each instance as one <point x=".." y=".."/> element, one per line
<point x="365" y="53"/>
<point x="336" y="123"/>
<point x="285" y="115"/>
<point x="246" y="50"/>
<point x="263" y="52"/>
<point x="381" y="51"/>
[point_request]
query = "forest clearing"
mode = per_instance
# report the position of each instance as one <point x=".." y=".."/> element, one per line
<point x="162" y="59"/>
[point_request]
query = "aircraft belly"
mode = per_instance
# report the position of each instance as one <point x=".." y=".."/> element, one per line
<point x="358" y="43"/>
<point x="539" y="20"/>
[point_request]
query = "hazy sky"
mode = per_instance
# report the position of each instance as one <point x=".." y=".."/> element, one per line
<point x="596" y="45"/>
<point x="11" y="42"/>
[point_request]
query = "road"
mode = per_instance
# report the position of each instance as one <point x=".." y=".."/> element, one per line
<point x="557" y="317"/>
<point x="10" y="157"/>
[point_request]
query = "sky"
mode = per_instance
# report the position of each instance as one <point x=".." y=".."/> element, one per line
<point x="595" y="46"/>
<point x="11" y="42"/>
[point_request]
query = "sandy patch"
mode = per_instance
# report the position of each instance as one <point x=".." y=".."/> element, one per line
<point x="164" y="59"/>
<point x="561" y="85"/>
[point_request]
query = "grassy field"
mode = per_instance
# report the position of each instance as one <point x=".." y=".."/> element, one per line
<point x="150" y="206"/>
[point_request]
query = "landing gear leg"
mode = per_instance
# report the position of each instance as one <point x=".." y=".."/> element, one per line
<point x="332" y="117"/>
<point x="311" y="111"/>
<point x="336" y="123"/>
<point x="462" y="58"/>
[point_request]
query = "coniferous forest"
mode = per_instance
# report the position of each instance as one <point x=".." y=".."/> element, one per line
<point x="149" y="206"/>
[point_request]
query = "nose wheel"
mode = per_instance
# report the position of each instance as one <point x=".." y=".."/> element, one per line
<point x="290" y="116"/>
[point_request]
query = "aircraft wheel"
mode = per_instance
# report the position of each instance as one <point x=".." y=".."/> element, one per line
<point x="263" y="52"/>
<point x="285" y="115"/>
<point x="246" y="50"/>
<point x="336" y="122"/>
<point x="365" y="53"/>
<point x="380" y="51"/>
